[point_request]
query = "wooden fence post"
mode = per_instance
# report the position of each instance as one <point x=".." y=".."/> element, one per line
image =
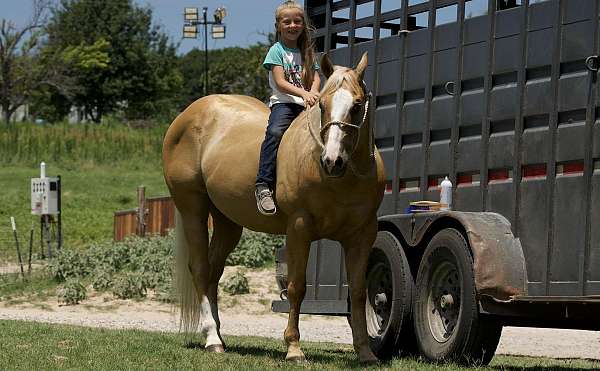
<point x="141" y="211"/>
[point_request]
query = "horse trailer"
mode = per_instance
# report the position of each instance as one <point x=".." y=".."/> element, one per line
<point x="502" y="97"/>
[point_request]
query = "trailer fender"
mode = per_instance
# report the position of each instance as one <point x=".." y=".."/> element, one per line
<point x="498" y="260"/>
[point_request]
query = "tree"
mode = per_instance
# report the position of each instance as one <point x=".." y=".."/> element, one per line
<point x="231" y="71"/>
<point x="52" y="101"/>
<point x="20" y="74"/>
<point x="140" y="74"/>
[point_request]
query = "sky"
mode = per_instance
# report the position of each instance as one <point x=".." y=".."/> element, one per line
<point x="247" y="21"/>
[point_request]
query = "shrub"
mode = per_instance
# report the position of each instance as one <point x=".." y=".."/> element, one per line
<point x="102" y="278"/>
<point x="111" y="257"/>
<point x="237" y="284"/>
<point x="255" y="249"/>
<point x="155" y="279"/>
<point x="165" y="293"/>
<point x="72" y="292"/>
<point x="69" y="264"/>
<point x="131" y="285"/>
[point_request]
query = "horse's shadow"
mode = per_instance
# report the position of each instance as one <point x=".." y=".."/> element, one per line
<point x="324" y="356"/>
<point x="244" y="350"/>
<point x="348" y="358"/>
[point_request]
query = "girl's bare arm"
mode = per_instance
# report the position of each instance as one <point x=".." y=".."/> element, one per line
<point x="316" y="85"/>
<point x="285" y="86"/>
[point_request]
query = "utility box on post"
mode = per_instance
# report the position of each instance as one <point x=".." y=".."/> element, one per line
<point x="46" y="202"/>
<point x="44" y="196"/>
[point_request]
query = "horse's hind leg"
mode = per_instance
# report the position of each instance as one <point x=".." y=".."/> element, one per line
<point x="194" y="208"/>
<point x="226" y="235"/>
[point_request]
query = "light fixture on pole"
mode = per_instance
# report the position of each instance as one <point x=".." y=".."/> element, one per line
<point x="190" y="30"/>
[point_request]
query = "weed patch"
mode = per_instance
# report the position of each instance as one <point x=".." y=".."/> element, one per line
<point x="237" y="284"/>
<point x="72" y="292"/>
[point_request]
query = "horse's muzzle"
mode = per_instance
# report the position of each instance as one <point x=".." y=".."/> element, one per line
<point x="333" y="168"/>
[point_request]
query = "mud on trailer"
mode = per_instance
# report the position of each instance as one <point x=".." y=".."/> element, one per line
<point x="502" y="97"/>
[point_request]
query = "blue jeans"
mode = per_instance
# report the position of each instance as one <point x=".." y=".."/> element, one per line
<point x="282" y="115"/>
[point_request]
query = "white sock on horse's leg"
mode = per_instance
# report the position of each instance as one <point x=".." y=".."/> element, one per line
<point x="212" y="298"/>
<point x="209" y="325"/>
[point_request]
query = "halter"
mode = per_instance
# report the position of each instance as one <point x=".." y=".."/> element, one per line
<point x="342" y="124"/>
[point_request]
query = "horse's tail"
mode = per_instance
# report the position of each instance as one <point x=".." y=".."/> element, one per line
<point x="190" y="315"/>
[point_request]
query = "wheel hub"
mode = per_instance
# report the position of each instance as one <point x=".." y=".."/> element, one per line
<point x="443" y="303"/>
<point x="379" y="288"/>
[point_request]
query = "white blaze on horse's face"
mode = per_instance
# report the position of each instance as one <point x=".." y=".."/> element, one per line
<point x="334" y="156"/>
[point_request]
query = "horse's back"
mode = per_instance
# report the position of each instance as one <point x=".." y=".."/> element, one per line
<point x="213" y="147"/>
<point x="224" y="110"/>
<point x="207" y="123"/>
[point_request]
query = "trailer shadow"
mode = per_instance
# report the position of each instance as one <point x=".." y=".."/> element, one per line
<point x="575" y="366"/>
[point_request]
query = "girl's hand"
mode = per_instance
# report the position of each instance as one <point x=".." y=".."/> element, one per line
<point x="310" y="98"/>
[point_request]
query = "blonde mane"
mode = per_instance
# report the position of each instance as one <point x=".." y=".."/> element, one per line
<point x="337" y="78"/>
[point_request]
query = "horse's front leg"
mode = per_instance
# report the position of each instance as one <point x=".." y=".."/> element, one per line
<point x="356" y="250"/>
<point x="298" y="247"/>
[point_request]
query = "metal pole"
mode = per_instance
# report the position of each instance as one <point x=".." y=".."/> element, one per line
<point x="14" y="228"/>
<point x="48" y="236"/>
<point x="59" y="190"/>
<point x="141" y="212"/>
<point x="30" y="247"/>
<point x="42" y="223"/>
<point x="204" y="10"/>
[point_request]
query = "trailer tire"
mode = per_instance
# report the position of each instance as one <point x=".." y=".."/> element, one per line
<point x="447" y="321"/>
<point x="390" y="291"/>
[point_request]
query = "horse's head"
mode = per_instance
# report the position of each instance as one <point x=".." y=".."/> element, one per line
<point x="343" y="105"/>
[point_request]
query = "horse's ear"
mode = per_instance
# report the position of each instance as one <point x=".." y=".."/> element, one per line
<point x="326" y="65"/>
<point x="362" y="65"/>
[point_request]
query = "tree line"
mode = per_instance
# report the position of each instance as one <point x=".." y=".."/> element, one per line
<point x="108" y="58"/>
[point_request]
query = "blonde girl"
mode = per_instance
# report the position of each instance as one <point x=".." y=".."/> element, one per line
<point x="295" y="82"/>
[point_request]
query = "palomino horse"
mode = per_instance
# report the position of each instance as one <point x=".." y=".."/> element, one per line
<point x="330" y="183"/>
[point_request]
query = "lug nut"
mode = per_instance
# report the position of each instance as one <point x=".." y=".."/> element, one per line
<point x="380" y="299"/>
<point x="446" y="301"/>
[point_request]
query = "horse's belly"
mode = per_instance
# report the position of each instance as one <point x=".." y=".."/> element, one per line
<point x="229" y="168"/>
<point x="240" y="207"/>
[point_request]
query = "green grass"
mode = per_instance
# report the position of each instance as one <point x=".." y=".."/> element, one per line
<point x="90" y="195"/>
<point x="33" y="346"/>
<point x="35" y="288"/>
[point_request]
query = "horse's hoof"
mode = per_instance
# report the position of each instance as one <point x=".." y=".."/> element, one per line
<point x="296" y="359"/>
<point x="215" y="348"/>
<point x="369" y="360"/>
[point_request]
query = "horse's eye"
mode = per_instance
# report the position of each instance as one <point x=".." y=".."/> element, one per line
<point x="355" y="107"/>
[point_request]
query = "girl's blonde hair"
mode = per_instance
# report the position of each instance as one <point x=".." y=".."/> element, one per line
<point x="304" y="41"/>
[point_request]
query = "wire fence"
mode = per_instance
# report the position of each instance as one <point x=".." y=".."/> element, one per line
<point x="24" y="250"/>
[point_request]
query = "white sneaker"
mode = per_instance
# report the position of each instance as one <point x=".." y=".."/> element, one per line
<point x="264" y="200"/>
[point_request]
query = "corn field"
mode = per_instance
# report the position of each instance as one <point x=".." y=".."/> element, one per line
<point x="25" y="143"/>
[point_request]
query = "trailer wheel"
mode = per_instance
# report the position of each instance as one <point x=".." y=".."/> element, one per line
<point x="447" y="321"/>
<point x="390" y="290"/>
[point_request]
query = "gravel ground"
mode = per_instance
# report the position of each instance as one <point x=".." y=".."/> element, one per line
<point x="250" y="314"/>
<point x="156" y="317"/>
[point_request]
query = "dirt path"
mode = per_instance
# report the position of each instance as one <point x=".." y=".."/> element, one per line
<point x="250" y="315"/>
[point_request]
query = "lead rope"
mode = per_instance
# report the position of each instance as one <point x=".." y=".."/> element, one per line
<point x="312" y="132"/>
